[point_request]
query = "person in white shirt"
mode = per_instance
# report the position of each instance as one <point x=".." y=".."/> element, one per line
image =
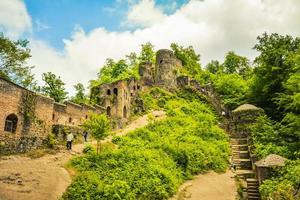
<point x="70" y="138"/>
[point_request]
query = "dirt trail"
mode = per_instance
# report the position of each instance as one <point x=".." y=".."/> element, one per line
<point x="45" y="178"/>
<point x="209" y="186"/>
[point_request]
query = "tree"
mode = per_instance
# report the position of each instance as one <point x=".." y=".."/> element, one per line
<point x="79" y="97"/>
<point x="98" y="126"/>
<point x="190" y="60"/>
<point x="54" y="87"/>
<point x="234" y="63"/>
<point x="273" y="68"/>
<point x="147" y="53"/>
<point x="13" y="57"/>
<point x="214" y="67"/>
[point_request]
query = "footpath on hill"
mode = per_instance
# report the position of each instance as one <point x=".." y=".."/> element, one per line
<point x="45" y="178"/>
<point x="209" y="186"/>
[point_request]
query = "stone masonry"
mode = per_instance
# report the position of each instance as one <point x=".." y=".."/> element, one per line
<point x="27" y="118"/>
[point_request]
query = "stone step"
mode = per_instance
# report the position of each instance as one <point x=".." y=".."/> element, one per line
<point x="252" y="186"/>
<point x="253" y="197"/>
<point x="253" y="190"/>
<point x="244" y="172"/>
<point x="239" y="147"/>
<point x="252" y="180"/>
<point x="239" y="141"/>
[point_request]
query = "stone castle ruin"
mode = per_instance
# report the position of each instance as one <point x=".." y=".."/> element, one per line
<point x="117" y="98"/>
<point x="27" y="118"/>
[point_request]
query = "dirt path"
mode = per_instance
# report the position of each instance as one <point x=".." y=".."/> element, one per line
<point x="45" y="178"/>
<point x="209" y="186"/>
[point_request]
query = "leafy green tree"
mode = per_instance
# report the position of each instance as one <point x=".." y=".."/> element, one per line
<point x="232" y="89"/>
<point x="190" y="60"/>
<point x="214" y="67"/>
<point x="13" y="57"/>
<point x="234" y="63"/>
<point x="54" y="87"/>
<point x="80" y="96"/>
<point x="273" y="69"/>
<point x="147" y="53"/>
<point x="98" y="126"/>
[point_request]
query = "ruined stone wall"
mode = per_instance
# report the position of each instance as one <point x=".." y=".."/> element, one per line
<point x="35" y="115"/>
<point x="146" y="72"/>
<point x="10" y="98"/>
<point x="117" y="98"/>
<point x="166" y="68"/>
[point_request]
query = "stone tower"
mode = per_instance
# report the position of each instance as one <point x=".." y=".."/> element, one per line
<point x="166" y="68"/>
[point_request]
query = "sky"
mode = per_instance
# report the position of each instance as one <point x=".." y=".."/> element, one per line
<point x="73" y="38"/>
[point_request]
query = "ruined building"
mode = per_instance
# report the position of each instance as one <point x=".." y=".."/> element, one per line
<point x="117" y="97"/>
<point x="27" y="118"/>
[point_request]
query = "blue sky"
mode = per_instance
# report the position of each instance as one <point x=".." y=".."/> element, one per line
<point x="55" y="20"/>
<point x="73" y="38"/>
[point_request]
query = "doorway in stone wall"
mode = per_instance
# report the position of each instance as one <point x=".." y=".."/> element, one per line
<point x="125" y="112"/>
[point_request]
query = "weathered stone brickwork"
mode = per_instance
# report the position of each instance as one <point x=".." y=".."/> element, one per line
<point x="27" y="118"/>
<point x="166" y="68"/>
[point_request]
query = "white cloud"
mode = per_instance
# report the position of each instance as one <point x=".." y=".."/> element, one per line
<point x="213" y="27"/>
<point x="145" y="14"/>
<point x="14" y="18"/>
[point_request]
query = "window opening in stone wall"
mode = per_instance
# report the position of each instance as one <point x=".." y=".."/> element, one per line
<point x="116" y="91"/>
<point x="70" y="119"/>
<point x="134" y="87"/>
<point x="108" y="92"/>
<point x="11" y="123"/>
<point x="131" y="94"/>
<point x="160" y="61"/>
<point x="53" y="116"/>
<point x="125" y="112"/>
<point x="108" y="111"/>
<point x="138" y="87"/>
<point x="86" y="117"/>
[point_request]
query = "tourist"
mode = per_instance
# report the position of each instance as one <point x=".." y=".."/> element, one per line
<point x="70" y="138"/>
<point x="85" y="135"/>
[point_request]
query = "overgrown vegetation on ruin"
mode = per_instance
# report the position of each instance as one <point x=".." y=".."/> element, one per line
<point x="151" y="162"/>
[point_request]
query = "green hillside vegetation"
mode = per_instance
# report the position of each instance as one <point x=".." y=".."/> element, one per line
<point x="152" y="162"/>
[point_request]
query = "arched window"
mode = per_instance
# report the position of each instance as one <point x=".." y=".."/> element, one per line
<point x="125" y="112"/>
<point x="138" y="87"/>
<point x="116" y="91"/>
<point x="53" y="116"/>
<point x="134" y="87"/>
<point x="108" y="92"/>
<point x="108" y="111"/>
<point x="70" y="119"/>
<point x="11" y="123"/>
<point x="86" y="117"/>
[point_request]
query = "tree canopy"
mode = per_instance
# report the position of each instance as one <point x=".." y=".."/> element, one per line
<point x="13" y="58"/>
<point x="54" y="87"/>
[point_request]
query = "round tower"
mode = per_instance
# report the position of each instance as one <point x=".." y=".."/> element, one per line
<point x="166" y="68"/>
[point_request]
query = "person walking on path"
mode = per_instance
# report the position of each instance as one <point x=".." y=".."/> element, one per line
<point x="70" y="138"/>
<point x="85" y="135"/>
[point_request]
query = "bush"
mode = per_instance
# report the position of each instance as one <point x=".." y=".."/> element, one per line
<point x="51" y="141"/>
<point x="88" y="149"/>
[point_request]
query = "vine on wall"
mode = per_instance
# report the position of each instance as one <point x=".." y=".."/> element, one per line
<point x="27" y="109"/>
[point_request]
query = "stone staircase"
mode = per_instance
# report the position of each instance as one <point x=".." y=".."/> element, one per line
<point x="241" y="161"/>
<point x="252" y="189"/>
